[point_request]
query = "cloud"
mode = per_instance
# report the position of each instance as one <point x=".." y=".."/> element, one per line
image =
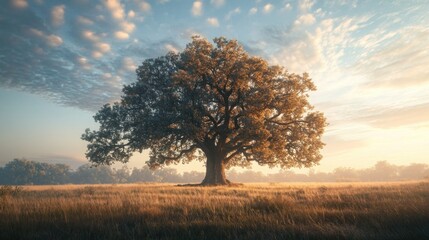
<point x="397" y="117"/>
<point x="128" y="64"/>
<point x="231" y="13"/>
<point x="305" y="5"/>
<point x="96" y="54"/>
<point x="189" y="33"/>
<point x="253" y="11"/>
<point x="84" y="63"/>
<point x="84" y="21"/>
<point x="57" y="15"/>
<point x="19" y="3"/>
<point x="213" y="22"/>
<point x="395" y="59"/>
<point x="51" y="39"/>
<point x="287" y="7"/>
<point x="217" y="3"/>
<point x="145" y="6"/>
<point x="171" y="48"/>
<point x="145" y="49"/>
<point x="306" y="19"/>
<point x="115" y="8"/>
<point x="131" y="14"/>
<point x="197" y="8"/>
<point x="103" y="47"/>
<point x="57" y="64"/>
<point x="304" y="50"/>
<point x="128" y="26"/>
<point x="90" y="36"/>
<point x="268" y="8"/>
<point x="118" y="13"/>
<point x="121" y="35"/>
<point x="336" y="145"/>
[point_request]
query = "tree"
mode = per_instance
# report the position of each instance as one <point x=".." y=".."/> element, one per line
<point x="143" y="174"/>
<point x="94" y="175"/>
<point x="20" y="171"/>
<point x="214" y="103"/>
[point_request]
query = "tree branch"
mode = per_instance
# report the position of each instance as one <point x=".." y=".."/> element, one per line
<point x="286" y="123"/>
<point x="182" y="152"/>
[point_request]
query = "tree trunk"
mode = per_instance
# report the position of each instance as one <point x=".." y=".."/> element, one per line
<point x="215" y="171"/>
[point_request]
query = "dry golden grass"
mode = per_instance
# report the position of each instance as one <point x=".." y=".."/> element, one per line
<point x="251" y="211"/>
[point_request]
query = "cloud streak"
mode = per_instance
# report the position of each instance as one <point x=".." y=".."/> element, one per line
<point x="398" y="117"/>
<point x="401" y="62"/>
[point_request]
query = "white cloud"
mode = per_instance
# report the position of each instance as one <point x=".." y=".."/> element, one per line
<point x="19" y="3"/>
<point x="128" y="26"/>
<point x="395" y="59"/>
<point x="84" y="20"/>
<point x="171" y="48"/>
<point x="57" y="15"/>
<point x="114" y="81"/>
<point x="236" y="11"/>
<point x="305" y="5"/>
<point x="145" y="6"/>
<point x="96" y="54"/>
<point x="302" y="55"/>
<point x="217" y="3"/>
<point x="118" y="13"/>
<point x="121" y="35"/>
<point x="89" y="35"/>
<point x="287" y="7"/>
<point x="128" y="64"/>
<point x="131" y="14"/>
<point x="189" y="33"/>
<point x="51" y="40"/>
<point x="395" y="117"/>
<point x="253" y="11"/>
<point x="115" y="8"/>
<point x="213" y="22"/>
<point x="301" y="50"/>
<point x="268" y="8"/>
<point x="197" y="8"/>
<point x="103" y="47"/>
<point x="83" y="62"/>
<point x="306" y="19"/>
<point x="54" y="40"/>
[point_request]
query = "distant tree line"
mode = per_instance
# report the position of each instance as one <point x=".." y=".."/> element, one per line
<point x="22" y="172"/>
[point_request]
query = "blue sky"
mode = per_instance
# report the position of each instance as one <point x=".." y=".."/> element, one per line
<point x="60" y="61"/>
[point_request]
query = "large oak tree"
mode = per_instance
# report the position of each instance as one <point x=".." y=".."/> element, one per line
<point x="214" y="103"/>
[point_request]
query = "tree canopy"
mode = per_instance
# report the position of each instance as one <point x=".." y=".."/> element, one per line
<point x="215" y="103"/>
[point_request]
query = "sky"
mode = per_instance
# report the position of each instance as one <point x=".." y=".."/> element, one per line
<point x="60" y="61"/>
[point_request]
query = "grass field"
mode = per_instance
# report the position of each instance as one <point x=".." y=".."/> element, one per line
<point x="251" y="211"/>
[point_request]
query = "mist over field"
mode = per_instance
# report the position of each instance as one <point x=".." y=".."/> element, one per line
<point x="21" y="171"/>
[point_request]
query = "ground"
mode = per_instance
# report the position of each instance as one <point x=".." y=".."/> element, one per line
<point x="250" y="211"/>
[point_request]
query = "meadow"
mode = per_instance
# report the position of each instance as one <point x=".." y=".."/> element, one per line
<point x="397" y="210"/>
